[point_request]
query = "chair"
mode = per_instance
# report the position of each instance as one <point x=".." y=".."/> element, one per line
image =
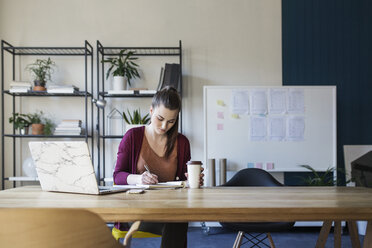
<point x="53" y="228"/>
<point x="255" y="177"/>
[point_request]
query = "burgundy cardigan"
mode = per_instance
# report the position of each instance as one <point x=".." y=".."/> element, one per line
<point x="129" y="150"/>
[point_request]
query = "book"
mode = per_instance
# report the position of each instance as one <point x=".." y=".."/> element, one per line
<point x="170" y="184"/>
<point x="120" y="92"/>
<point x="147" y="91"/>
<point x="20" y="84"/>
<point x="62" y="88"/>
<point x="160" y="79"/>
<point x="19" y="89"/>
<point x="171" y="76"/>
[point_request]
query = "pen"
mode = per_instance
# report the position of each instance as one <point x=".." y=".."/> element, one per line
<point x="147" y="168"/>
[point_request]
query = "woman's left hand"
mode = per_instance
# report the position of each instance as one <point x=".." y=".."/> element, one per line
<point x="201" y="180"/>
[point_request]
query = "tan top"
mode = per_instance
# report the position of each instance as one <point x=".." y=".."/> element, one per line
<point x="164" y="168"/>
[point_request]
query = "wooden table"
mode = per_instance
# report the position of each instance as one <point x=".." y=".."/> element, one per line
<point x="228" y="204"/>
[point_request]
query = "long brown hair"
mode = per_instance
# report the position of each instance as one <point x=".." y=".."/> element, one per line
<point x="169" y="98"/>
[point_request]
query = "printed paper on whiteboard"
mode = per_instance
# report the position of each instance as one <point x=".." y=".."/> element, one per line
<point x="240" y="102"/>
<point x="277" y="126"/>
<point x="296" y="101"/>
<point x="258" y="102"/>
<point x="295" y="128"/>
<point x="278" y="101"/>
<point x="258" y="130"/>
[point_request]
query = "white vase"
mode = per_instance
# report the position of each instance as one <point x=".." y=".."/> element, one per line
<point x="118" y="83"/>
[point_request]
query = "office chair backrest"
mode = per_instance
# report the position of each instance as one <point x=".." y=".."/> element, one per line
<point x="53" y="228"/>
<point x="253" y="177"/>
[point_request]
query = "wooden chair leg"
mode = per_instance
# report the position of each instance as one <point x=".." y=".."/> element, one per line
<point x="270" y="240"/>
<point x="337" y="234"/>
<point x="354" y="236"/>
<point x="238" y="240"/>
<point x="367" y="243"/>
<point x="128" y="237"/>
<point x="323" y="235"/>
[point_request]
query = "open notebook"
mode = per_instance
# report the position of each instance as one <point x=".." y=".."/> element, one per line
<point x="165" y="185"/>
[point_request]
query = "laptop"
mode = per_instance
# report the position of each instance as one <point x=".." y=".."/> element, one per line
<point x="65" y="166"/>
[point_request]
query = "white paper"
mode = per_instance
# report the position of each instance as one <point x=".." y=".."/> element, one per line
<point x="258" y="102"/>
<point x="240" y="102"/>
<point x="277" y="127"/>
<point x="258" y="130"/>
<point x="295" y="128"/>
<point x="278" y="101"/>
<point x="296" y="101"/>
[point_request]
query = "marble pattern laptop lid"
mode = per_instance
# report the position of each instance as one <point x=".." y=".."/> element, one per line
<point x="64" y="166"/>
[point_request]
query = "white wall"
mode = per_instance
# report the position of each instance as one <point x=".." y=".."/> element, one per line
<point x="236" y="42"/>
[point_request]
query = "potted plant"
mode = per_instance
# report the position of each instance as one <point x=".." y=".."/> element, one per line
<point x="135" y="119"/>
<point x="321" y="178"/>
<point x="122" y="67"/>
<point x="41" y="70"/>
<point x="21" y="122"/>
<point x="40" y="124"/>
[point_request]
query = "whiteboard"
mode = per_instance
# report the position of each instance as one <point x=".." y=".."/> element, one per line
<point x="229" y="136"/>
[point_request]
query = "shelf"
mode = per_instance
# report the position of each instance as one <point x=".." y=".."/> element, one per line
<point x="42" y="93"/>
<point x="49" y="51"/>
<point x="111" y="136"/>
<point x="32" y="179"/>
<point x="105" y="94"/>
<point x="142" y="51"/>
<point x="45" y="136"/>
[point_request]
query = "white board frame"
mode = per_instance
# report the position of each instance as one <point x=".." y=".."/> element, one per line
<point x="330" y="124"/>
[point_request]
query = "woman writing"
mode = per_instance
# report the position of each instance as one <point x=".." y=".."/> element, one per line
<point x="164" y="151"/>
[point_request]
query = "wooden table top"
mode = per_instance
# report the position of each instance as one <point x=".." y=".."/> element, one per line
<point x="238" y="204"/>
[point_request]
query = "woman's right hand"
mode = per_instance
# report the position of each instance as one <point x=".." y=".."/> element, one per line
<point x="149" y="178"/>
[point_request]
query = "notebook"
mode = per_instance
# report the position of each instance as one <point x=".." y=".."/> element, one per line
<point x="65" y="166"/>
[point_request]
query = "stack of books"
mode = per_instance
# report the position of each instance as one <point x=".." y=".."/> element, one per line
<point x="69" y="127"/>
<point x="19" y="87"/>
<point x="62" y="88"/>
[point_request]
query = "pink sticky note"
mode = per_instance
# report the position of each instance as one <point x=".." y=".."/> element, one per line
<point x="269" y="166"/>
<point x="219" y="126"/>
<point x="258" y="165"/>
<point x="220" y="115"/>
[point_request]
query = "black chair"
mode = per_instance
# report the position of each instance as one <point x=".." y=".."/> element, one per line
<point x="255" y="232"/>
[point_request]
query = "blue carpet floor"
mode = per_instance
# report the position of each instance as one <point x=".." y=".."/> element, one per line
<point x="219" y="237"/>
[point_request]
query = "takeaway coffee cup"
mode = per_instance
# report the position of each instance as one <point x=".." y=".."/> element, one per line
<point x="193" y="170"/>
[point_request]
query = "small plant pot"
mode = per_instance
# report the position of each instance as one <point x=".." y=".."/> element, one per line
<point x="39" y="85"/>
<point x="118" y="83"/>
<point x="130" y="126"/>
<point x="23" y="131"/>
<point x="37" y="129"/>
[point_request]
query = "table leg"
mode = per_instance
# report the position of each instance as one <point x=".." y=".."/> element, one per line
<point x="367" y="243"/>
<point x="337" y="234"/>
<point x="323" y="235"/>
<point x="354" y="236"/>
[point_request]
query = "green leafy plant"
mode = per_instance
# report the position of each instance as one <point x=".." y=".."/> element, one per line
<point x="124" y="65"/>
<point x="36" y="118"/>
<point x="136" y="117"/>
<point x="321" y="178"/>
<point x="48" y="126"/>
<point x="20" y="120"/>
<point x="42" y="69"/>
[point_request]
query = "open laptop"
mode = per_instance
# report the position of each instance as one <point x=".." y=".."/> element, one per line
<point x="65" y="166"/>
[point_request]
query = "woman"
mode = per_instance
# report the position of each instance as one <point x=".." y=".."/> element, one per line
<point x="164" y="151"/>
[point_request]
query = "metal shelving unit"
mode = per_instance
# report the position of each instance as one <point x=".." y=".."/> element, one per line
<point x="85" y="51"/>
<point x="102" y="52"/>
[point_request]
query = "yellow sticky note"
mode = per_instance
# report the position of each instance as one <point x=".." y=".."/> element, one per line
<point x="221" y="103"/>
<point x="235" y="116"/>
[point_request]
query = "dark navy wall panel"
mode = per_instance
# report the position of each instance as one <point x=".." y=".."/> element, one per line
<point x="329" y="42"/>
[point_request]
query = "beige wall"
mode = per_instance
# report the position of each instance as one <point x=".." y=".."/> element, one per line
<point x="236" y="42"/>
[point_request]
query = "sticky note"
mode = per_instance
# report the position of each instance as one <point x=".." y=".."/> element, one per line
<point x="221" y="103"/>
<point x="220" y="115"/>
<point x="269" y="166"/>
<point x="250" y="165"/>
<point x="235" y="116"/>
<point x="258" y="165"/>
<point x="219" y="126"/>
